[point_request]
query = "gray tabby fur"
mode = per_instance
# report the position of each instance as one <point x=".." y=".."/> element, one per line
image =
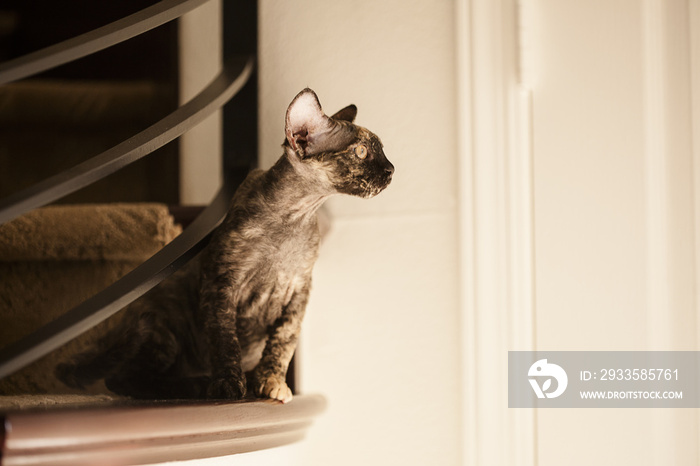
<point x="238" y="307"/>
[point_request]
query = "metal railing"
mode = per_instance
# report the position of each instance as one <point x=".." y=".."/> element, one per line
<point x="96" y="40"/>
<point x="94" y="310"/>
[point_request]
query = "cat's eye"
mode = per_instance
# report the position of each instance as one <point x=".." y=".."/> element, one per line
<point x="361" y="151"/>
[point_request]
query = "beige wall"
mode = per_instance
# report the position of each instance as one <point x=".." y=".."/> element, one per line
<point x="380" y="338"/>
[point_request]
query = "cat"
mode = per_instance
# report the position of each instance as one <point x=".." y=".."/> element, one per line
<point x="227" y="324"/>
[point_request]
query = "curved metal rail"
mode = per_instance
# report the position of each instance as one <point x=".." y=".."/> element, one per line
<point x="95" y="40"/>
<point x="231" y="79"/>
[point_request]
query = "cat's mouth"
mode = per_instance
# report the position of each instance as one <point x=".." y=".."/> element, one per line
<point x="371" y="189"/>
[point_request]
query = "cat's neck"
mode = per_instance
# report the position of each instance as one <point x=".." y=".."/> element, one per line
<point x="295" y="189"/>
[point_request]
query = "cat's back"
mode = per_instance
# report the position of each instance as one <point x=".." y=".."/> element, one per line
<point x="250" y="189"/>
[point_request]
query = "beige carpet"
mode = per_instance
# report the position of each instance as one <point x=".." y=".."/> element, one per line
<point x="56" y="257"/>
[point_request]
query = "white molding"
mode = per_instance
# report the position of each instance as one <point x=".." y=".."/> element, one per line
<point x="664" y="47"/>
<point x="521" y="310"/>
<point x="496" y="229"/>
<point x="655" y="160"/>
<point x="656" y="202"/>
<point x="470" y="427"/>
<point x="694" y="28"/>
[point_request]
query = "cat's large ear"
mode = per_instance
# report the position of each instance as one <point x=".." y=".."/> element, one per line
<point x="305" y="122"/>
<point x="347" y="114"/>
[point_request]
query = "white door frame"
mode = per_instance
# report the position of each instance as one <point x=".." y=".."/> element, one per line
<point x="496" y="221"/>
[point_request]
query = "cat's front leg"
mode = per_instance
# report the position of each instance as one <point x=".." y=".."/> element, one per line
<point x="227" y="380"/>
<point x="270" y="373"/>
<point x="227" y="377"/>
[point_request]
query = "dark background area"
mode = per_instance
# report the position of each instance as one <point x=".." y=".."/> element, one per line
<point x="241" y="113"/>
<point x="64" y="116"/>
<point x="55" y="120"/>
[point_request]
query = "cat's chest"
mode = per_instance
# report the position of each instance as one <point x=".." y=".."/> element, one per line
<point x="277" y="268"/>
<point x="263" y="297"/>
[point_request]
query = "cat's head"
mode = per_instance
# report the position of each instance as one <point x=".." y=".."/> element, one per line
<point x="350" y="157"/>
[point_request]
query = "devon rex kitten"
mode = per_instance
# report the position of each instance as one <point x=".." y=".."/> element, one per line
<point x="238" y="307"/>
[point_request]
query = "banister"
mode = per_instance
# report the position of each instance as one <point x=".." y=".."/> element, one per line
<point x="120" y="432"/>
<point x="95" y="40"/>
<point x="232" y="78"/>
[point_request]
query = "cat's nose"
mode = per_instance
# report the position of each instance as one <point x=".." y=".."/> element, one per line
<point x="389" y="169"/>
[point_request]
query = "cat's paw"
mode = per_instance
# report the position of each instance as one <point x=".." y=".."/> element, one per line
<point x="275" y="388"/>
<point x="229" y="388"/>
